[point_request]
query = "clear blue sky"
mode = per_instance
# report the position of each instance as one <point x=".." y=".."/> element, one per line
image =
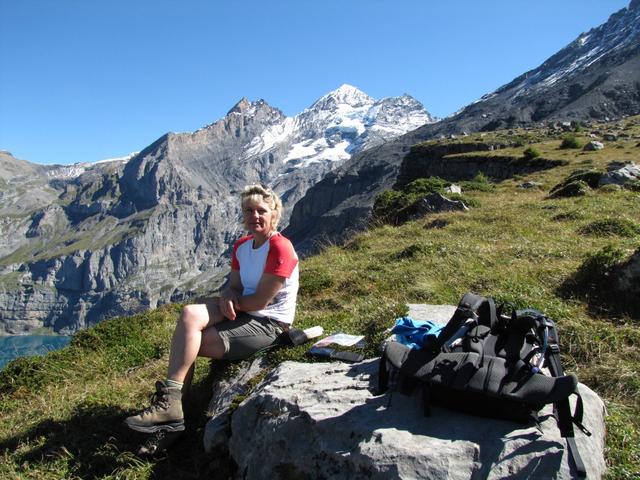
<point x="85" y="80"/>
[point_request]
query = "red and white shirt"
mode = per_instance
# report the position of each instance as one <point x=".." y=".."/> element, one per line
<point x="275" y="256"/>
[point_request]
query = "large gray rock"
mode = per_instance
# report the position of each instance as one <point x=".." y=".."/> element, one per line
<point x="322" y="421"/>
<point x="621" y="175"/>
<point x="627" y="278"/>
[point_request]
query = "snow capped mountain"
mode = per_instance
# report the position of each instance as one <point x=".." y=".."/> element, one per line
<point x="77" y="169"/>
<point x="338" y="125"/>
<point x="620" y="32"/>
<point x="594" y="77"/>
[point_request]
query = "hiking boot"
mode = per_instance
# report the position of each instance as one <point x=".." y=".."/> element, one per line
<point x="164" y="413"/>
<point x="158" y="443"/>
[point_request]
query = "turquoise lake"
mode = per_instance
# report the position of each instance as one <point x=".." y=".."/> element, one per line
<point x="14" y="346"/>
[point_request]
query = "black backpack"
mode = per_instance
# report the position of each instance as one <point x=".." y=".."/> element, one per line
<point x="489" y="364"/>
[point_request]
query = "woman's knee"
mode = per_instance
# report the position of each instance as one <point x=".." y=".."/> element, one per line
<point x="194" y="316"/>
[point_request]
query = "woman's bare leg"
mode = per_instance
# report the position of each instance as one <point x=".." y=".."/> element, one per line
<point x="188" y="338"/>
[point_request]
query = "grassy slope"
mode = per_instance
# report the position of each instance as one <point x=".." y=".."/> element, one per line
<point x="61" y="415"/>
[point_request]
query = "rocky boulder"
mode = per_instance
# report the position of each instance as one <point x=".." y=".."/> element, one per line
<point x="323" y="420"/>
<point x="626" y="281"/>
<point x="621" y="174"/>
<point x="593" y="146"/>
<point x="432" y="203"/>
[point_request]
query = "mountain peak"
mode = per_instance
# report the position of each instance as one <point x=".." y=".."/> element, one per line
<point x="345" y="94"/>
<point x="241" y="106"/>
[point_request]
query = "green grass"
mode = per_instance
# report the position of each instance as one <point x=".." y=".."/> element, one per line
<point x="61" y="414"/>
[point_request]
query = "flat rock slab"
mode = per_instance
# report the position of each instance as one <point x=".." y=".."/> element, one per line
<point x="323" y="421"/>
<point x="435" y="313"/>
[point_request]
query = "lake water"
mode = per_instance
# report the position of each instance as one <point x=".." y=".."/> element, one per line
<point x="14" y="346"/>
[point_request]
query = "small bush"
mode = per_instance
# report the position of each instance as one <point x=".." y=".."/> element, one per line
<point x="425" y="186"/>
<point x="600" y="263"/>
<point x="389" y="204"/>
<point x="592" y="278"/>
<point x="570" y="141"/>
<point x="621" y="227"/>
<point x="531" y="153"/>
<point x="386" y="202"/>
<point x="595" y="281"/>
<point x="480" y="183"/>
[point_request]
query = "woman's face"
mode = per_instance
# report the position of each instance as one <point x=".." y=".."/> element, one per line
<point x="257" y="216"/>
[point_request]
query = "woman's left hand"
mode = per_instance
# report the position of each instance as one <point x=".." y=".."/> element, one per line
<point x="228" y="304"/>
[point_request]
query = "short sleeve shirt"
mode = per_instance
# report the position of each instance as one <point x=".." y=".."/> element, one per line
<point x="276" y="256"/>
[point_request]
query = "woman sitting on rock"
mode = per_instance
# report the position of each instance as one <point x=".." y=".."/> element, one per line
<point x="256" y="306"/>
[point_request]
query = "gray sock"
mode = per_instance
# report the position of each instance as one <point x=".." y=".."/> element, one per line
<point x="173" y="384"/>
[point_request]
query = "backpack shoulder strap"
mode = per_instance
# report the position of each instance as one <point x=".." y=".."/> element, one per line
<point x="470" y="308"/>
<point x="562" y="409"/>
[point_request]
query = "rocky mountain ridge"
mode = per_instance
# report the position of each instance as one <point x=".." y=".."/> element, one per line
<point x="87" y="242"/>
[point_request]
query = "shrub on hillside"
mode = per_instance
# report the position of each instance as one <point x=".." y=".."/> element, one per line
<point x="397" y="206"/>
<point x="570" y="141"/>
<point x="531" y="153"/>
<point x="425" y="186"/>
<point x="621" y="227"/>
<point x="479" y="183"/>
<point x="385" y="203"/>
<point x="388" y="203"/>
<point x="610" y="188"/>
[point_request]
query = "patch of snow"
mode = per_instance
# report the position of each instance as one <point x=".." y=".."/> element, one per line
<point x="271" y="137"/>
<point x="77" y="169"/>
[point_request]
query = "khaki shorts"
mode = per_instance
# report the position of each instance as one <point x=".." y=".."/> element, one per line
<point x="247" y="335"/>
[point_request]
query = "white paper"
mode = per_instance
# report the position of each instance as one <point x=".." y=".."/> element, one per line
<point x="343" y="339"/>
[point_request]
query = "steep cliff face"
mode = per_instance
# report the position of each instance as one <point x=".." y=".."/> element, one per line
<point x="88" y="242"/>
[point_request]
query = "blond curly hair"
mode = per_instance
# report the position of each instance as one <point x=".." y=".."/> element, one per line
<point x="261" y="193"/>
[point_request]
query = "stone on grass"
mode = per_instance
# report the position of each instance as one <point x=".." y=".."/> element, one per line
<point x="622" y="175"/>
<point x="453" y="188"/>
<point x="577" y="188"/>
<point x="530" y="185"/>
<point x="627" y="278"/>
<point x="594" y="145"/>
<point x="432" y="203"/>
